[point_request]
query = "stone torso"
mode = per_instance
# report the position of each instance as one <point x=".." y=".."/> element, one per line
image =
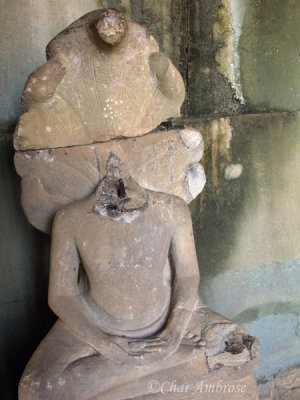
<point x="131" y="280"/>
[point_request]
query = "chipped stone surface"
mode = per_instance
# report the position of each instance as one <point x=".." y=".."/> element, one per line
<point x="44" y="20"/>
<point x="124" y="273"/>
<point x="282" y="386"/>
<point x="289" y="379"/>
<point x="119" y="203"/>
<point x="119" y="91"/>
<point x="227" y="359"/>
<point x="158" y="161"/>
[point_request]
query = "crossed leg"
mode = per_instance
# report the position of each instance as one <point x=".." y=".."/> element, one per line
<point x="65" y="368"/>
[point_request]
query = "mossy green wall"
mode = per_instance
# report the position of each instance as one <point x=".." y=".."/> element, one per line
<point x="240" y="63"/>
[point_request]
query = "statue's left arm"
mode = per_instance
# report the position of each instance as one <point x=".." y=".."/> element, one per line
<point x="184" y="262"/>
<point x="186" y="277"/>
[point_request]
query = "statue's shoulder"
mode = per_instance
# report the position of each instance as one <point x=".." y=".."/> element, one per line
<point x="71" y="214"/>
<point x="169" y="201"/>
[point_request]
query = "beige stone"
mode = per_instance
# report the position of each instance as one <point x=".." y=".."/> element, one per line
<point x="165" y="161"/>
<point x="91" y="90"/>
<point x="124" y="274"/>
<point x="282" y="386"/>
<point x="132" y="315"/>
<point x="288" y="379"/>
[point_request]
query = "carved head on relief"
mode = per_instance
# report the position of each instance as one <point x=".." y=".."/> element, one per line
<point x="112" y="26"/>
<point x="94" y="89"/>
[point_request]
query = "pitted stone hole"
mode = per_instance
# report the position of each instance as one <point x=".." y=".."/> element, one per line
<point x="236" y="346"/>
<point x="248" y="341"/>
<point x="121" y="189"/>
<point x="112" y="207"/>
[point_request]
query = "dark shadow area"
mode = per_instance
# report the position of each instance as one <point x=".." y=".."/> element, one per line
<point x="25" y="316"/>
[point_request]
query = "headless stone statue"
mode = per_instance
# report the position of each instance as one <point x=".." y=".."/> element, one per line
<point x="124" y="273"/>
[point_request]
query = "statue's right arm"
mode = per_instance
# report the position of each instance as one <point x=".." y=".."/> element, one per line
<point x="65" y="298"/>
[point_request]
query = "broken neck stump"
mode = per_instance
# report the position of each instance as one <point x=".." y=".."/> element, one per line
<point x="111" y="179"/>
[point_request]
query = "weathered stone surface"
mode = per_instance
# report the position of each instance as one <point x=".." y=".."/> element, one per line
<point x="124" y="274"/>
<point x="166" y="21"/>
<point x="282" y="386"/>
<point x="115" y="381"/>
<point x="268" y="32"/>
<point x="242" y="389"/>
<point x="227" y="359"/>
<point x="165" y="161"/>
<point x="213" y="64"/>
<point x="288" y="379"/>
<point x="237" y="56"/>
<point x="91" y="91"/>
<point x="114" y="338"/>
<point x="252" y="224"/>
<point x="265" y="300"/>
<point x="230" y="54"/>
<point x="247" y="229"/>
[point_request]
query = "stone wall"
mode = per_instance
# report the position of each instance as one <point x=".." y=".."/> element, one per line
<point x="247" y="230"/>
<point x="240" y="62"/>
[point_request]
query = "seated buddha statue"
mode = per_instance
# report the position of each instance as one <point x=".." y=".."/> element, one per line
<point x="124" y="273"/>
